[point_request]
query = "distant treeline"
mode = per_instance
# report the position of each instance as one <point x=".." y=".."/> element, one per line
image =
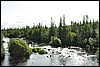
<point x="83" y="34"/>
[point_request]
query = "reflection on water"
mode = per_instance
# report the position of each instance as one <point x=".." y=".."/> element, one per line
<point x="16" y="61"/>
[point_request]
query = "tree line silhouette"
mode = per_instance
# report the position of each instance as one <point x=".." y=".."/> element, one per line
<point x="81" y="34"/>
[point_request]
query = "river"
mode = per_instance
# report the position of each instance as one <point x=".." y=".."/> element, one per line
<point x="55" y="57"/>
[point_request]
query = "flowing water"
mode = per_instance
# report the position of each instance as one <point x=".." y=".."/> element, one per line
<point x="55" y="57"/>
<point x="5" y="62"/>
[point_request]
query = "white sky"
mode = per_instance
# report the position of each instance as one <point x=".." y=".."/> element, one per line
<point x="21" y="13"/>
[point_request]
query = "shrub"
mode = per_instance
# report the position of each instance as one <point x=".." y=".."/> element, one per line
<point x="18" y="48"/>
<point x="34" y="50"/>
<point x="39" y="50"/>
<point x="56" y="42"/>
<point x="42" y="52"/>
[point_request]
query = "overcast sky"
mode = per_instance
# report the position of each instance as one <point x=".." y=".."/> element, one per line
<point x="22" y="13"/>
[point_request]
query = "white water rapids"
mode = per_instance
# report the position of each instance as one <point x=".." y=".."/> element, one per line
<point x="55" y="57"/>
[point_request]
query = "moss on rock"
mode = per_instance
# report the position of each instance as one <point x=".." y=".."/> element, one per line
<point x="42" y="52"/>
<point x="39" y="50"/>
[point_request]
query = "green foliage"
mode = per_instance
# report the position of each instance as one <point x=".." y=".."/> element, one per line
<point x="52" y="30"/>
<point x="18" y="48"/>
<point x="2" y="51"/>
<point x="56" y="42"/>
<point x="81" y="34"/>
<point x="2" y="48"/>
<point x="97" y="54"/>
<point x="39" y="50"/>
<point x="42" y="52"/>
<point x="35" y="50"/>
<point x="91" y="41"/>
<point x="72" y="35"/>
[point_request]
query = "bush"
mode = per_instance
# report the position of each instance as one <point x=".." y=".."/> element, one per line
<point x="34" y="50"/>
<point x="18" y="48"/>
<point x="42" y="52"/>
<point x="39" y="50"/>
<point x="56" y="42"/>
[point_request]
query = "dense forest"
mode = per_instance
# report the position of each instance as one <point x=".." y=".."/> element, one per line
<point x="80" y="34"/>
